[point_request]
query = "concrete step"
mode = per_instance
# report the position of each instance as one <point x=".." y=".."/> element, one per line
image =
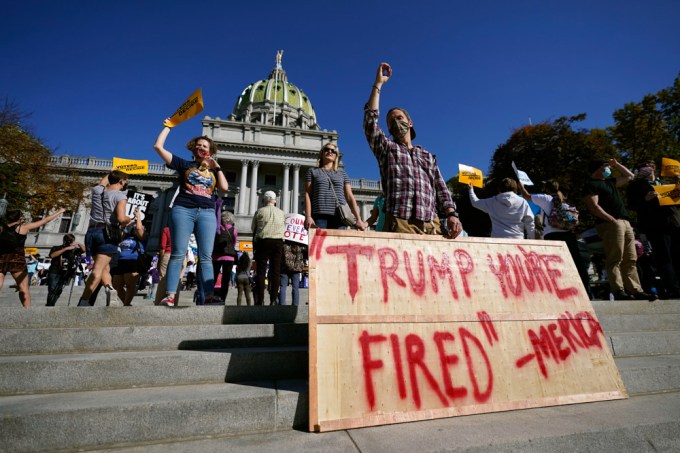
<point x="628" y="307"/>
<point x="118" y="370"/>
<point x="628" y="344"/>
<point x="654" y="322"/>
<point x="650" y="374"/>
<point x="50" y="317"/>
<point x="647" y="423"/>
<point x="94" y="419"/>
<point x="149" y="338"/>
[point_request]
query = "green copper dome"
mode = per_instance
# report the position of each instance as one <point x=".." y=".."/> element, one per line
<point x="275" y="101"/>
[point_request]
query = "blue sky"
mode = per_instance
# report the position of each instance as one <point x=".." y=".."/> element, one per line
<point x="99" y="77"/>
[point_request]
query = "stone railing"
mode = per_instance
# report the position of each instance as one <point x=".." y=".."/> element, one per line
<point x="366" y="184"/>
<point x="95" y="163"/>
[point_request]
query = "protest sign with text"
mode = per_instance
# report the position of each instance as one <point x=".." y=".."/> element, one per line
<point x="139" y="201"/>
<point x="190" y="108"/>
<point x="294" y="229"/>
<point x="670" y="167"/>
<point x="669" y="194"/>
<point x="522" y="176"/>
<point x="131" y="167"/>
<point x="467" y="174"/>
<point x="408" y="327"/>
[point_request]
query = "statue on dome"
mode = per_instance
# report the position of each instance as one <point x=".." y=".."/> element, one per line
<point x="279" y="55"/>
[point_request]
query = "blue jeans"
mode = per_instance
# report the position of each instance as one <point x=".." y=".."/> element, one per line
<point x="95" y="244"/>
<point x="55" y="284"/>
<point x="202" y="222"/>
<point x="295" y="277"/>
<point x="329" y="223"/>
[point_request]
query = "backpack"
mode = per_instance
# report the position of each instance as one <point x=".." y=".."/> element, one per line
<point x="224" y="243"/>
<point x="292" y="258"/>
<point x="562" y="216"/>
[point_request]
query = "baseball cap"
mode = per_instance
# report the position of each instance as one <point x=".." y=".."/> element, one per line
<point x="270" y="195"/>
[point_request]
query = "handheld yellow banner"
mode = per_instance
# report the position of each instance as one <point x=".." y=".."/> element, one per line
<point x="131" y="167"/>
<point x="191" y="107"/>
<point x="468" y="175"/>
<point x="669" y="194"/>
<point x="670" y="167"/>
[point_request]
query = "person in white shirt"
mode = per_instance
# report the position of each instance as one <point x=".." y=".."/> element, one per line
<point x="511" y="216"/>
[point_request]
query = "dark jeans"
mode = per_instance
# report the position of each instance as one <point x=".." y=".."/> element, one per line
<point x="268" y="250"/>
<point x="666" y="252"/>
<point x="55" y="284"/>
<point x="224" y="267"/>
<point x="572" y="245"/>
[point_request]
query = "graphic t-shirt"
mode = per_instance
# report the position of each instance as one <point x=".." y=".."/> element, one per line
<point x="196" y="185"/>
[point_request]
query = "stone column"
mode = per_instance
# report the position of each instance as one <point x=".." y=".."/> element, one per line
<point x="296" y="188"/>
<point x="285" y="206"/>
<point x="242" y="196"/>
<point x="253" y="187"/>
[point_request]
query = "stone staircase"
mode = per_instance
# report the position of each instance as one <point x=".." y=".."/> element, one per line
<point x="130" y="378"/>
<point x="74" y="378"/>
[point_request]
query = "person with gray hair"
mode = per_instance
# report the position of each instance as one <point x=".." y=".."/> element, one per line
<point x="267" y="227"/>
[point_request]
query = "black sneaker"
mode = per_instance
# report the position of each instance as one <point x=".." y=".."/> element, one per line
<point x="645" y="296"/>
<point x="622" y="295"/>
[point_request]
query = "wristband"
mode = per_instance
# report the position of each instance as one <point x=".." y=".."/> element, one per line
<point x="452" y="214"/>
<point x="376" y="88"/>
<point x="217" y="169"/>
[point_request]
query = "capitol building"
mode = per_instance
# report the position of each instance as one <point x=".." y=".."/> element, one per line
<point x="268" y="142"/>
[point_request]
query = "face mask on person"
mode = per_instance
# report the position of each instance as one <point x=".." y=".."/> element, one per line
<point x="201" y="154"/>
<point x="607" y="172"/>
<point x="399" y="129"/>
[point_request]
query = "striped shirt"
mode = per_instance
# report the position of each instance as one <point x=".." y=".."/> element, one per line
<point x="414" y="187"/>
<point x="323" y="200"/>
<point x="268" y="223"/>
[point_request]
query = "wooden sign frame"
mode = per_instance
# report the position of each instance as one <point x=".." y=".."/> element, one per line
<point x="406" y="327"/>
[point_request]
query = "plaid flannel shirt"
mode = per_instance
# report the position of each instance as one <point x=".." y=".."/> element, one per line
<point x="413" y="185"/>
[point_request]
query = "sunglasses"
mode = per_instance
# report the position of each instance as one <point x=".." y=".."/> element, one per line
<point x="330" y="150"/>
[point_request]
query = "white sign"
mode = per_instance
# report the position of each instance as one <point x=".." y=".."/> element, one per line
<point x="294" y="229"/>
<point x="523" y="177"/>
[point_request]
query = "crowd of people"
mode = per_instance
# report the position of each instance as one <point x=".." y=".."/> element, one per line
<point x="415" y="200"/>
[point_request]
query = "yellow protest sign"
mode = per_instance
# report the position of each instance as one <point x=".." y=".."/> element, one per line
<point x="190" y="108"/>
<point x="670" y="167"/>
<point x="467" y="174"/>
<point x="30" y="250"/>
<point x="131" y="167"/>
<point x="669" y="194"/>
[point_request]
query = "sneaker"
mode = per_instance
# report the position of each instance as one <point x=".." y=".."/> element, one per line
<point x="168" y="301"/>
<point x="112" y="299"/>
<point x="645" y="296"/>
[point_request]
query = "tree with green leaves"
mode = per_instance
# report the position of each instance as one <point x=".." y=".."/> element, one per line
<point x="552" y="150"/>
<point x="649" y="129"/>
<point x="26" y="179"/>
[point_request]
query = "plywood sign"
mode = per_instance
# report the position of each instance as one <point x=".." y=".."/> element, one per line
<point x="406" y="328"/>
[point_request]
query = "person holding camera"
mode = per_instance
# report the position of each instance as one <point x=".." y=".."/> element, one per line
<point x="63" y="267"/>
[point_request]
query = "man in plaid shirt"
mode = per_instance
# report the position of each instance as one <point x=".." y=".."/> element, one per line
<point x="415" y="191"/>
